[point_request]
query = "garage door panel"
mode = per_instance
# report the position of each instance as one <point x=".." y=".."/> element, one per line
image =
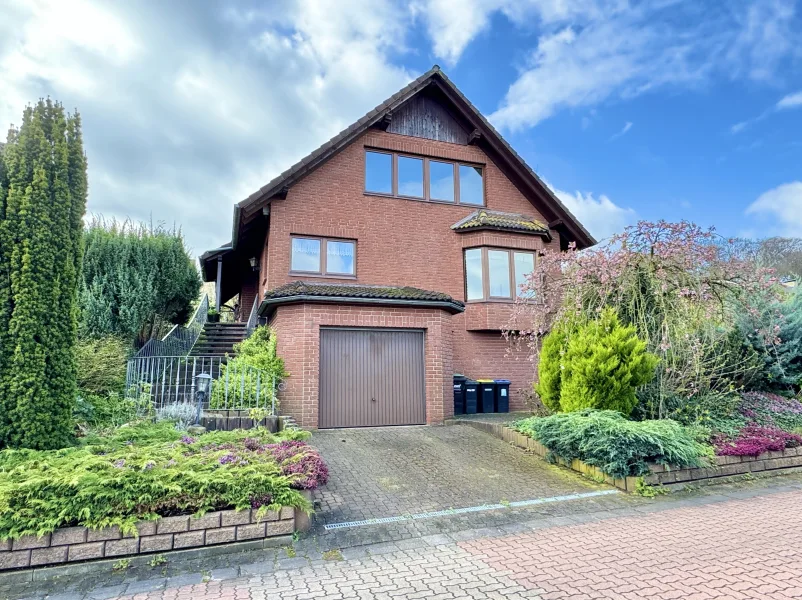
<point x="371" y="377"/>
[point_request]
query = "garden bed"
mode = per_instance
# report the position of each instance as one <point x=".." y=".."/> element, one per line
<point x="663" y="476"/>
<point x="151" y="488"/>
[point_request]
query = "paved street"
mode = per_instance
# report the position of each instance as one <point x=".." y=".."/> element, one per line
<point x="737" y="542"/>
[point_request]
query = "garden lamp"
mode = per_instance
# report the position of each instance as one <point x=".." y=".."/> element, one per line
<point x="202" y="383"/>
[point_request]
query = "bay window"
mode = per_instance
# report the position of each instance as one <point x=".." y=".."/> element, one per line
<point x="496" y="273"/>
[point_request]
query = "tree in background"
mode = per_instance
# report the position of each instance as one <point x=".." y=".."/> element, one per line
<point x="680" y="286"/>
<point x="43" y="191"/>
<point x="138" y="281"/>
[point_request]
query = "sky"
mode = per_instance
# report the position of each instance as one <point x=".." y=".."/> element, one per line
<point x="661" y="109"/>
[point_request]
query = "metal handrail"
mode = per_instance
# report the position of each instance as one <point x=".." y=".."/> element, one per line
<point x="253" y="318"/>
<point x="179" y="340"/>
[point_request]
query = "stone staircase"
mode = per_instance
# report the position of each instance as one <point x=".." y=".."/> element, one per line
<point x="218" y="339"/>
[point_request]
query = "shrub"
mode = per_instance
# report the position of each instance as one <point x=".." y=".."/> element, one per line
<point x="104" y="410"/>
<point x="619" y="447"/>
<point x="755" y="439"/>
<point x="138" y="280"/>
<point x="258" y="351"/>
<point x="144" y="471"/>
<point x="604" y="363"/>
<point x="182" y="414"/>
<point x="101" y="363"/>
<point x="550" y="367"/>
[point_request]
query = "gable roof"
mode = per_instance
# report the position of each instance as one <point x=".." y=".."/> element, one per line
<point x="490" y="140"/>
<point x="494" y="219"/>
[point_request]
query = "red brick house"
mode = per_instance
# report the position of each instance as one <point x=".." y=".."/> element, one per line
<point x="388" y="260"/>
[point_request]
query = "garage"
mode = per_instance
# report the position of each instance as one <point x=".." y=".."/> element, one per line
<point x="371" y="377"/>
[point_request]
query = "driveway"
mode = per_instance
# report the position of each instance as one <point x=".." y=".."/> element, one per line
<point x="397" y="472"/>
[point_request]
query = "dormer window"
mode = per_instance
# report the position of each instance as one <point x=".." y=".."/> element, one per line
<point x="422" y="178"/>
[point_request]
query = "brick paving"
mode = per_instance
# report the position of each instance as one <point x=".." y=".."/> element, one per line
<point x="703" y="548"/>
<point x="384" y="472"/>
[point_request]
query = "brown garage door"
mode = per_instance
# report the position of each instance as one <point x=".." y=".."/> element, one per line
<point x="371" y="377"/>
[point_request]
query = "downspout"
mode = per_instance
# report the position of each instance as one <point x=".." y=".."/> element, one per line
<point x="217" y="289"/>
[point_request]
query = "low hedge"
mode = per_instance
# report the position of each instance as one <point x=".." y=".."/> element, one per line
<point x="146" y="471"/>
<point x="617" y="446"/>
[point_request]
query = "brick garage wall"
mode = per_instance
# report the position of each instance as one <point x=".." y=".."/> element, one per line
<point x="298" y="328"/>
<point x="486" y="354"/>
<point x="73" y="544"/>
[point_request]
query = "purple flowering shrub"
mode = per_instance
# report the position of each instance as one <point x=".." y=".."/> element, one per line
<point x="755" y="439"/>
<point x="771" y="410"/>
<point x="302" y="463"/>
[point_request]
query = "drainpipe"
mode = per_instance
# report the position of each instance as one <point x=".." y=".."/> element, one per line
<point x="217" y="289"/>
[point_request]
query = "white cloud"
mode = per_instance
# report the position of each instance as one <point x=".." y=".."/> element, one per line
<point x="627" y="126"/>
<point x="780" y="209"/>
<point x="625" y="50"/>
<point x="188" y="111"/>
<point x="790" y="101"/>
<point x="602" y="217"/>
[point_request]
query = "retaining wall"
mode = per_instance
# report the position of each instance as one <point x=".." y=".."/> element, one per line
<point x="783" y="461"/>
<point x="73" y="544"/>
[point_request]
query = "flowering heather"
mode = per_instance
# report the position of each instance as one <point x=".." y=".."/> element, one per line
<point x="186" y="439"/>
<point x="301" y="462"/>
<point x="771" y="410"/>
<point x="261" y="500"/>
<point x="232" y="459"/>
<point x="755" y="439"/>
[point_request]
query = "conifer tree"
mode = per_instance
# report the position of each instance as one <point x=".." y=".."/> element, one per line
<point x="43" y="200"/>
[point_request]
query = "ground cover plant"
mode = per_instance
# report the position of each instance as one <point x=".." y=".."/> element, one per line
<point x="149" y="470"/>
<point x="618" y="446"/>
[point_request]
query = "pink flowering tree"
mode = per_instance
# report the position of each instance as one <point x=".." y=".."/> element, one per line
<point x="680" y="285"/>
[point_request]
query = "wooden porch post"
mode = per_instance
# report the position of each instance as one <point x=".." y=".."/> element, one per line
<point x="217" y="290"/>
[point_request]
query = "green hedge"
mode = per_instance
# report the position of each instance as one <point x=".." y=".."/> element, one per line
<point x="607" y="440"/>
<point x="142" y="472"/>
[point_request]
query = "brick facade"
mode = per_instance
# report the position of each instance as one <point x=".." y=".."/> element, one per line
<point x="399" y="242"/>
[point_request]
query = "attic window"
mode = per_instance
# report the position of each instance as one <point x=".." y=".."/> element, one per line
<point x="417" y="177"/>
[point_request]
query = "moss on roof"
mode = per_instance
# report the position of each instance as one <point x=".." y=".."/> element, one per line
<point x="500" y="220"/>
<point x="340" y="290"/>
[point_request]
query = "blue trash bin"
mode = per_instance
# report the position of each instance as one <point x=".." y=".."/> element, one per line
<point x="503" y="395"/>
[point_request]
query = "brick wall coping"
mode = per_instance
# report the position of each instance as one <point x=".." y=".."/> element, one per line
<point x="781" y="461"/>
<point x="73" y="544"/>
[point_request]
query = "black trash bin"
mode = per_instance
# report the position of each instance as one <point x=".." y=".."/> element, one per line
<point x="487" y="395"/>
<point x="502" y="395"/>
<point x="471" y="396"/>
<point x="459" y="394"/>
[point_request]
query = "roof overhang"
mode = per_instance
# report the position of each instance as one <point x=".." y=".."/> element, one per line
<point x="484" y="134"/>
<point x="269" y="305"/>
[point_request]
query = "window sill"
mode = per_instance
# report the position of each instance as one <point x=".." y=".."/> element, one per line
<point x="319" y="275"/>
<point x="424" y="200"/>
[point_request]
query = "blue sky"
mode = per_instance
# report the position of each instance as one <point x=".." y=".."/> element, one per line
<point x="655" y="109"/>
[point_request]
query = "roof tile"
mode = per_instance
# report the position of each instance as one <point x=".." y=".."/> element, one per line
<point x="500" y="220"/>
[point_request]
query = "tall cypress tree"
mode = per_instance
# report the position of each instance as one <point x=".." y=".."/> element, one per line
<point x="43" y="204"/>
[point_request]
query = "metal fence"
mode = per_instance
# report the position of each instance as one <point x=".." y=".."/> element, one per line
<point x="155" y="382"/>
<point x="179" y="340"/>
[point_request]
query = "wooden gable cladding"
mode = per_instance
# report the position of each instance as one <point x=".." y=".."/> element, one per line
<point x="423" y="116"/>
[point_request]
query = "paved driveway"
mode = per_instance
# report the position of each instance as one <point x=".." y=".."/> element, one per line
<point x="401" y="471"/>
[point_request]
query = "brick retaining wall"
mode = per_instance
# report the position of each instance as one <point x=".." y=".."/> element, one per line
<point x="670" y="478"/>
<point x="72" y="544"/>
